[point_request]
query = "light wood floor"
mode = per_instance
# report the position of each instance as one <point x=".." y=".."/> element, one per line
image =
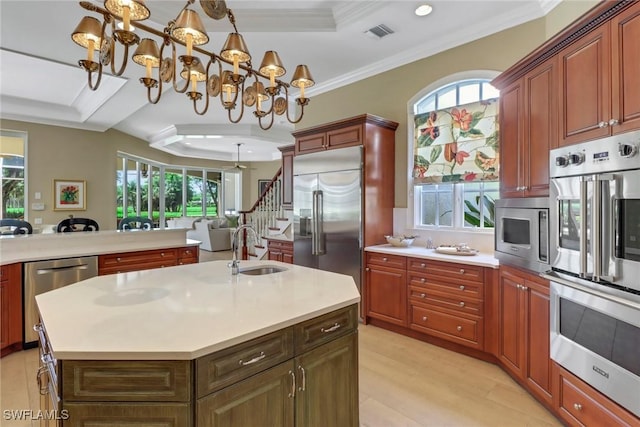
<point x="403" y="383"/>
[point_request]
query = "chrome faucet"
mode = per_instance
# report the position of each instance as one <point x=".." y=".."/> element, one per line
<point x="235" y="262"/>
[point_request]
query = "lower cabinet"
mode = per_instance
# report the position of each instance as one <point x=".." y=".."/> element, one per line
<point x="317" y="388"/>
<point x="386" y="288"/>
<point x="280" y="250"/>
<point x="578" y="404"/>
<point x="10" y="308"/>
<point x="523" y="347"/>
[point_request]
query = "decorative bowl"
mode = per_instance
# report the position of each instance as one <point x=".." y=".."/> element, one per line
<point x="400" y="241"/>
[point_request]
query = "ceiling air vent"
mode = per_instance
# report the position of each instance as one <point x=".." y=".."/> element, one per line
<point x="379" y="31"/>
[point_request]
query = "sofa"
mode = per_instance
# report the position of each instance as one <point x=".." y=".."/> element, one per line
<point x="214" y="233"/>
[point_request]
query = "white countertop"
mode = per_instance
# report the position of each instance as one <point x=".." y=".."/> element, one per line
<point x="184" y="312"/>
<point x="34" y="247"/>
<point x="480" y="259"/>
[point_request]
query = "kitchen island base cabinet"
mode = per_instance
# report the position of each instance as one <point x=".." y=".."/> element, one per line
<point x="10" y="308"/>
<point x="304" y="375"/>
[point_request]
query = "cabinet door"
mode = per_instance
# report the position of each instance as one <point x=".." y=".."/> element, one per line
<point x="538" y="368"/>
<point x="345" y="137"/>
<point x="327" y="385"/>
<point x="625" y="55"/>
<point x="540" y="127"/>
<point x="287" y="177"/>
<point x="266" y="399"/>
<point x="10" y="307"/>
<point x="511" y="349"/>
<point x="511" y="133"/>
<point x="4" y="313"/>
<point x="386" y="293"/>
<point x="585" y="96"/>
<point x="310" y="143"/>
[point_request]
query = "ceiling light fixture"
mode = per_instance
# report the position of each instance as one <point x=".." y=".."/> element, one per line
<point x="228" y="76"/>
<point x="424" y="10"/>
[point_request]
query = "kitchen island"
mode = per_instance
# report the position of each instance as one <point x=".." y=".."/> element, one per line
<point x="194" y="345"/>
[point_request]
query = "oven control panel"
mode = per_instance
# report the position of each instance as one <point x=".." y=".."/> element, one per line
<point x="618" y="152"/>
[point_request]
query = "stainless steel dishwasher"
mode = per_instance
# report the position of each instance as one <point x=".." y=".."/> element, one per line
<point x="45" y="276"/>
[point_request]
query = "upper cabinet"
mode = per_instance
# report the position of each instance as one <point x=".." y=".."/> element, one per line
<point x="582" y="84"/>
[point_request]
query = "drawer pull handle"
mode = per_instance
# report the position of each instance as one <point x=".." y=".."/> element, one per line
<point x="423" y="295"/>
<point x="424" y="318"/>
<point x="462" y="271"/>
<point x="462" y="287"/>
<point x="118" y="259"/>
<point x="304" y="379"/>
<point x="161" y="253"/>
<point x="577" y="406"/>
<point x="188" y="252"/>
<point x="385" y="259"/>
<point x="422" y="280"/>
<point x="42" y="387"/>
<point x="335" y="327"/>
<point x="459" y="328"/>
<point x="423" y="265"/>
<point x="254" y="360"/>
<point x="461" y="304"/>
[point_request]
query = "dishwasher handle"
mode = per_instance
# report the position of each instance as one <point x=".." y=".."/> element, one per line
<point x="58" y="269"/>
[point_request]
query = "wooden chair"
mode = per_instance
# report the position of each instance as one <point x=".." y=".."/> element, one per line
<point x="77" y="224"/>
<point x="135" y="223"/>
<point x="17" y="226"/>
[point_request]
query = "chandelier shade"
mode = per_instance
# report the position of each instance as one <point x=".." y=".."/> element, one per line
<point x="88" y="30"/>
<point x="226" y="74"/>
<point x="188" y="25"/>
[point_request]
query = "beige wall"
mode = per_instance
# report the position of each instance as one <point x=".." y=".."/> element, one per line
<point x="387" y="94"/>
<point x="64" y="153"/>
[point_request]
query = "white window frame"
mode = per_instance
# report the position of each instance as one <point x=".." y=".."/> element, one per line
<point x="413" y="202"/>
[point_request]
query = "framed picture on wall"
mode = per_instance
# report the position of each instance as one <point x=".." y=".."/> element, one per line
<point x="69" y="195"/>
<point x="262" y="185"/>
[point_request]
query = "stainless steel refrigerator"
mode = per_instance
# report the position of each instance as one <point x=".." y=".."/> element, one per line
<point x="327" y="211"/>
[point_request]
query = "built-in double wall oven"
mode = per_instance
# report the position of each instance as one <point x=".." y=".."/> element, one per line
<point x="594" y="207"/>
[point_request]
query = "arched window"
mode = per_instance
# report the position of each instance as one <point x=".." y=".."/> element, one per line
<point x="455" y="156"/>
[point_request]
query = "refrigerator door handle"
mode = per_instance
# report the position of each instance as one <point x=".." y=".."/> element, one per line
<point x="317" y="240"/>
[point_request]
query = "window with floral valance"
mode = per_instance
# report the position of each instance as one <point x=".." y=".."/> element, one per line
<point x="457" y="144"/>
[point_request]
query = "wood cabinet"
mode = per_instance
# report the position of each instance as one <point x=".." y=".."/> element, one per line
<point x="600" y="80"/>
<point x="386" y="288"/>
<point x="280" y="250"/>
<point x="528" y="123"/>
<point x="523" y="347"/>
<point x="10" y="308"/>
<point x="376" y="136"/>
<point x="286" y="178"/>
<point x="447" y="300"/>
<point x="578" y="404"/>
<point x="144" y="260"/>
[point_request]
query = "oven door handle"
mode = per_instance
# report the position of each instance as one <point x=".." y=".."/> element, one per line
<point x="602" y="232"/>
<point x="584" y="247"/>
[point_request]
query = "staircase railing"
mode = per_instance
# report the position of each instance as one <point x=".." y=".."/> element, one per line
<point x="264" y="214"/>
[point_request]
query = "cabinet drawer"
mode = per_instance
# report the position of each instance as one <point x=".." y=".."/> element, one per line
<point x="447" y="270"/>
<point x="581" y="405"/>
<point x="320" y="330"/>
<point x="4" y="273"/>
<point x="280" y="246"/>
<point x="130" y="415"/>
<point x="348" y="136"/>
<point x="433" y="297"/>
<point x="121" y="381"/>
<point x="139" y="258"/>
<point x="126" y="268"/>
<point x="447" y="326"/>
<point x="187" y="256"/>
<point x="393" y="261"/>
<point x="231" y="365"/>
<point x="455" y="287"/>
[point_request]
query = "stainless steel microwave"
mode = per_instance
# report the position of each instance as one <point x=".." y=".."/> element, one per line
<point x="522" y="232"/>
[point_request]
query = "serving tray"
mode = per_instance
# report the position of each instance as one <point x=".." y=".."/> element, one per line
<point x="450" y="250"/>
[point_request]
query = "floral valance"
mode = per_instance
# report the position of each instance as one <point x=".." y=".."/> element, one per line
<point x="457" y="144"/>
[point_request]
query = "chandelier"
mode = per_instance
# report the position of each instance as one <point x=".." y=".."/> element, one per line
<point x="228" y="76"/>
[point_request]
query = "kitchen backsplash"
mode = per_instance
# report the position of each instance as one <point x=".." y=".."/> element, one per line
<point x="482" y="241"/>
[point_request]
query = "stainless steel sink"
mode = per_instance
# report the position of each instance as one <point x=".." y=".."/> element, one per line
<point x="261" y="270"/>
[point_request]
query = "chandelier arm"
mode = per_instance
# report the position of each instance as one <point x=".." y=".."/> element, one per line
<point x="294" y="121"/>
<point x="270" y="122"/>
<point x="206" y="92"/>
<point x="93" y="86"/>
<point x="159" y="94"/>
<point x="124" y="60"/>
<point x="237" y="97"/>
<point x="175" y="70"/>
<point x="232" y="19"/>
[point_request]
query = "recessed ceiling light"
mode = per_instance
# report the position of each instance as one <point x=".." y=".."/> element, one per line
<point x="424" y="10"/>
